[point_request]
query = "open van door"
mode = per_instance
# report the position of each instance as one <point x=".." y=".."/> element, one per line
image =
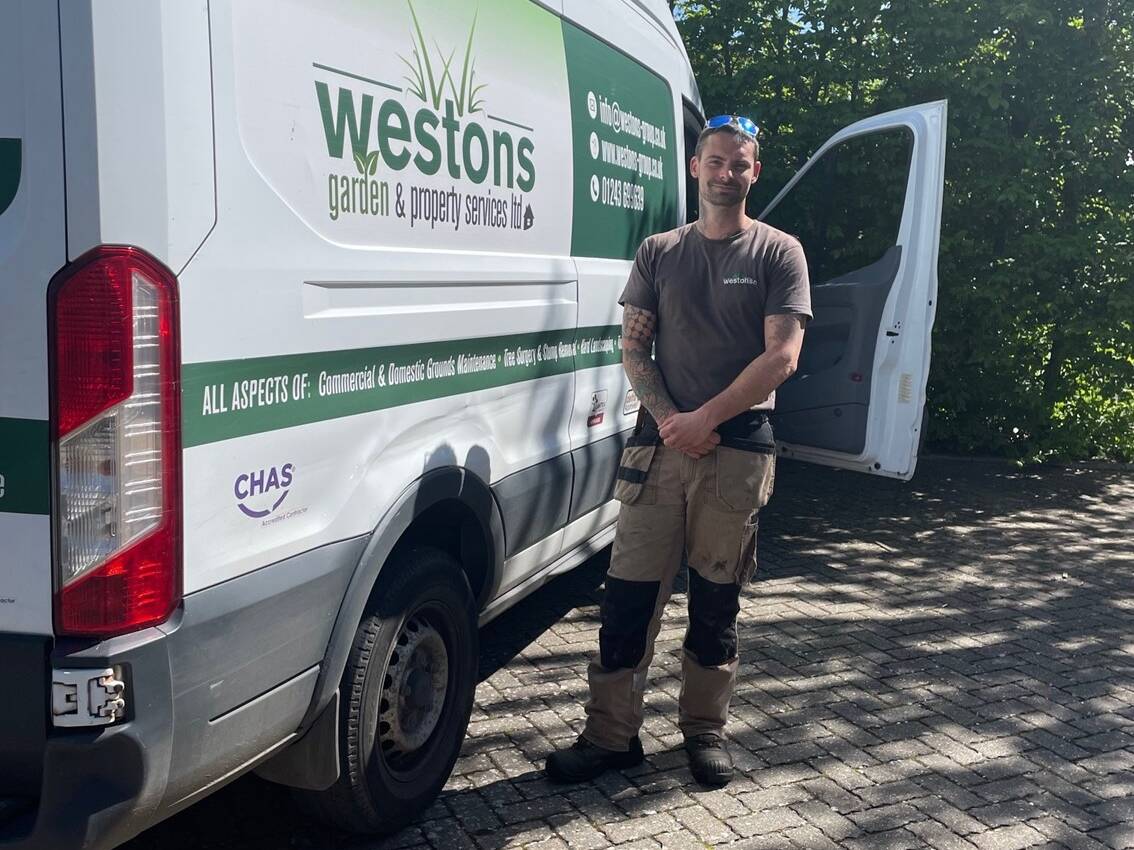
<point x="867" y="208"/>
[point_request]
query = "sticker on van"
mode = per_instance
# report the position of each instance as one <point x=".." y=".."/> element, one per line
<point x="11" y="164"/>
<point x="440" y="124"/>
<point x="234" y="398"/>
<point x="261" y="492"/>
<point x="25" y="466"/>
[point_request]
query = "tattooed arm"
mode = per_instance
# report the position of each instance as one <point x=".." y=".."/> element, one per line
<point x="638" y="329"/>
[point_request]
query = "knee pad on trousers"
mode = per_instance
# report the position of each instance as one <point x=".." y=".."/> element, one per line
<point x="712" y="620"/>
<point x="627" y="609"/>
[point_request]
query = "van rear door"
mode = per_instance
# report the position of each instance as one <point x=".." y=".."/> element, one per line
<point x="32" y="249"/>
<point x="867" y="208"/>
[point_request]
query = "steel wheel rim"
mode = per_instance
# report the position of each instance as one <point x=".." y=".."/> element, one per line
<point x="414" y="691"/>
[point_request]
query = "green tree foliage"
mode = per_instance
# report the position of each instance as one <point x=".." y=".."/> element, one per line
<point x="1033" y="351"/>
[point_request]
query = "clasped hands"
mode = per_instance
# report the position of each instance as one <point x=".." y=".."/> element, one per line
<point x="691" y="433"/>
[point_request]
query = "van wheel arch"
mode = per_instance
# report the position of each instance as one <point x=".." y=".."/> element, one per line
<point x="407" y="694"/>
<point x="425" y="511"/>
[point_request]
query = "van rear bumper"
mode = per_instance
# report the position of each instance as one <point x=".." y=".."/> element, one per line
<point x="96" y="787"/>
<point x="236" y="666"/>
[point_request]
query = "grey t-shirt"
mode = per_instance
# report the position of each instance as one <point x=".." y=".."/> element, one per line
<point x="711" y="297"/>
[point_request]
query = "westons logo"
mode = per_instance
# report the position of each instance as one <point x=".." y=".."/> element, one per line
<point x="260" y="493"/>
<point x="740" y="280"/>
<point x="446" y="134"/>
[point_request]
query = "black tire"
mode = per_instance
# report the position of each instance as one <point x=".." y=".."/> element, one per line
<point x="419" y="637"/>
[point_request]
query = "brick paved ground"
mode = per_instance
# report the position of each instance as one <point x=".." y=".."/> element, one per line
<point x="945" y="664"/>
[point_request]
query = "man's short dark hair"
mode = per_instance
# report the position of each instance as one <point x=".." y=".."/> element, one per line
<point x="732" y="130"/>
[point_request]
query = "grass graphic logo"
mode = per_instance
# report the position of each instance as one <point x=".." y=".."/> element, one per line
<point x="435" y="124"/>
<point x="430" y="87"/>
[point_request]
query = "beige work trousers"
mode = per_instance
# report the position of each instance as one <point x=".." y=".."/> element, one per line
<point x="675" y="507"/>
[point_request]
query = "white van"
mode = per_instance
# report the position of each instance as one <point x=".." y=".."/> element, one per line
<point x="310" y="363"/>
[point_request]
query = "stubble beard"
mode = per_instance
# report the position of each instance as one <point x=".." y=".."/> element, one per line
<point x="724" y="198"/>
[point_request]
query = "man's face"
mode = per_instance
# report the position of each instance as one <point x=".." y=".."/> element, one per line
<point x="726" y="169"/>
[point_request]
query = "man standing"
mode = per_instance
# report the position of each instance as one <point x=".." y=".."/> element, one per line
<point x="725" y="300"/>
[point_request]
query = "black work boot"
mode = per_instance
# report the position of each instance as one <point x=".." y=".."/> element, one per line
<point x="583" y="760"/>
<point x="709" y="761"/>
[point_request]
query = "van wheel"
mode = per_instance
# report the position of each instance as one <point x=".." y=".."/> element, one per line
<point x="408" y="692"/>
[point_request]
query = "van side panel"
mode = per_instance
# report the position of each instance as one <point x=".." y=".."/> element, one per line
<point x="138" y="113"/>
<point x="32" y="249"/>
<point x="388" y="289"/>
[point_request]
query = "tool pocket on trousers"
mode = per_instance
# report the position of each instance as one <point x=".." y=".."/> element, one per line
<point x="746" y="564"/>
<point x="745" y="478"/>
<point x="633" y="469"/>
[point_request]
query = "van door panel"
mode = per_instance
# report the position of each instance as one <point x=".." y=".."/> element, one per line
<point x="825" y="403"/>
<point x="867" y="209"/>
<point x="33" y="247"/>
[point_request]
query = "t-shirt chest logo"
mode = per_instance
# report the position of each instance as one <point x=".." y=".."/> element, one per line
<point x="740" y="280"/>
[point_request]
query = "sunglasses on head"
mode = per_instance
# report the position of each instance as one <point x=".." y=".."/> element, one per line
<point x="745" y="125"/>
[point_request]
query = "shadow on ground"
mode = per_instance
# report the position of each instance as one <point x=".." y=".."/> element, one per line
<point x="955" y="653"/>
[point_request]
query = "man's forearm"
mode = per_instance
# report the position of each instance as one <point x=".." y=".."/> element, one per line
<point x="752" y="386"/>
<point x="784" y="338"/>
<point x="646" y="379"/>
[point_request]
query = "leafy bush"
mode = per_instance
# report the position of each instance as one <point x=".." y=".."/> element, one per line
<point x="1033" y="353"/>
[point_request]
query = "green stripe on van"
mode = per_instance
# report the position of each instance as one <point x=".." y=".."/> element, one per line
<point x="11" y="165"/>
<point x="235" y="398"/>
<point x="25" y="466"/>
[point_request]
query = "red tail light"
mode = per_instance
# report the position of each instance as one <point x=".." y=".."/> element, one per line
<point x="116" y="424"/>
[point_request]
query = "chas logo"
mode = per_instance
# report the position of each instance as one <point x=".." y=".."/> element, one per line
<point x="260" y="493"/>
